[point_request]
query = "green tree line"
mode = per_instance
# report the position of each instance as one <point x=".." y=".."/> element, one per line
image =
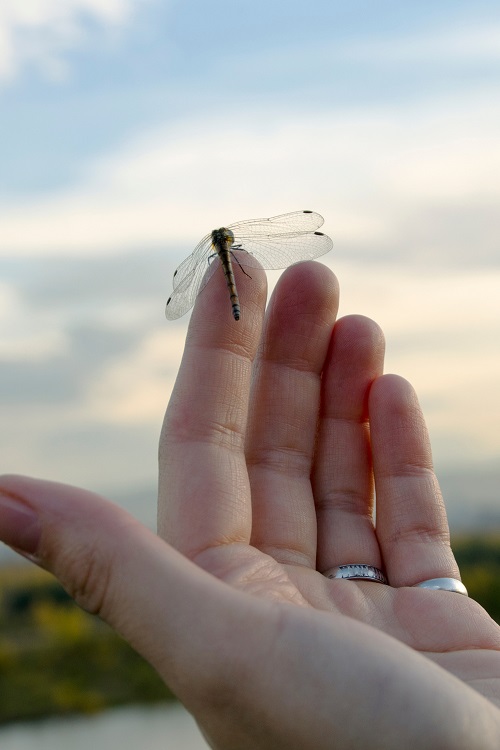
<point x="479" y="560"/>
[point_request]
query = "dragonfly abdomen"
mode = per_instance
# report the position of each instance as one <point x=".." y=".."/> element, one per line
<point x="222" y="240"/>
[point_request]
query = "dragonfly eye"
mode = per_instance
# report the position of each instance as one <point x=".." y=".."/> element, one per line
<point x="229" y="236"/>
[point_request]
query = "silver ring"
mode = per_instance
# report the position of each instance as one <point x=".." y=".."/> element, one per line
<point x="357" y="573"/>
<point x="443" y="584"/>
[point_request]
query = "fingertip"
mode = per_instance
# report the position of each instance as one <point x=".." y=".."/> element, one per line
<point x="358" y="343"/>
<point x="308" y="287"/>
<point x="394" y="392"/>
<point x="396" y="382"/>
<point x="20" y="526"/>
<point x="355" y="328"/>
<point x="355" y="359"/>
<point x="397" y="424"/>
<point x="301" y="315"/>
<point x="64" y="529"/>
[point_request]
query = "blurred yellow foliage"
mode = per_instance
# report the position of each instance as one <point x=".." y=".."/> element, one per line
<point x="64" y="624"/>
<point x="69" y="697"/>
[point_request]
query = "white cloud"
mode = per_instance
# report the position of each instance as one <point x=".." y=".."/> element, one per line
<point x="374" y="174"/>
<point x="41" y="32"/>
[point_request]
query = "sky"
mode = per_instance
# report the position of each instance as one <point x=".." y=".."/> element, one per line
<point x="130" y="128"/>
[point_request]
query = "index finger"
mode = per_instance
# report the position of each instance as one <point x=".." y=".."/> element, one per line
<point x="204" y="496"/>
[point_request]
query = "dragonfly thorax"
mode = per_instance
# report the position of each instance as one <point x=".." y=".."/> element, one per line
<point x="222" y="238"/>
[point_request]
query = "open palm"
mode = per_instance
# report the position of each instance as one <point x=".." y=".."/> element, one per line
<point x="273" y="445"/>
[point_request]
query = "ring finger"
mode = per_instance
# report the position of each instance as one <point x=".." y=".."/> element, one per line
<point x="342" y="476"/>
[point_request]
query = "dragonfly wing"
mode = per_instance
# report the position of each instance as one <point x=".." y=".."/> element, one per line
<point x="183" y="297"/>
<point x="199" y="255"/>
<point x="282" y="251"/>
<point x="187" y="280"/>
<point x="297" y="221"/>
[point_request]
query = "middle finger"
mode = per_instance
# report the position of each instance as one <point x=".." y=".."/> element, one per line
<point x="284" y="408"/>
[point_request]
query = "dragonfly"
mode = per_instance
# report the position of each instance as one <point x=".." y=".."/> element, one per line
<point x="275" y="243"/>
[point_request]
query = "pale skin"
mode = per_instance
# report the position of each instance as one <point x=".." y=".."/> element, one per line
<point x="271" y="444"/>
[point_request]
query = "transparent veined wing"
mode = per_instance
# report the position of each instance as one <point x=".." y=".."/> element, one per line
<point x="282" y="240"/>
<point x="277" y="242"/>
<point x="297" y="221"/>
<point x="199" y="255"/>
<point x="187" y="279"/>
<point x="281" y="251"/>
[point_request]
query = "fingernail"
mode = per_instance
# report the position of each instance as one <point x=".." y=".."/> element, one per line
<point x="19" y="524"/>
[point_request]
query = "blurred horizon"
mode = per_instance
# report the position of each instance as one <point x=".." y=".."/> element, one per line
<point x="130" y="128"/>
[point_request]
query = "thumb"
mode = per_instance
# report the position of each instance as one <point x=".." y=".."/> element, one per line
<point x="172" y="612"/>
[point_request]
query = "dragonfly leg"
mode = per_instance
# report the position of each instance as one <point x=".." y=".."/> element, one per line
<point x="238" y="247"/>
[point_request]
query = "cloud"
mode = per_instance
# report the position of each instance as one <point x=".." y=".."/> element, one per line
<point x="134" y="281"/>
<point x="54" y="313"/>
<point x="93" y="415"/>
<point x="88" y="338"/>
<point x="405" y="183"/>
<point x="40" y="33"/>
<point x="50" y="443"/>
<point x="63" y="375"/>
<point x="441" y="331"/>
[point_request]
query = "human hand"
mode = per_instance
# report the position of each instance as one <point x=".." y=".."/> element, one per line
<point x="265" y="481"/>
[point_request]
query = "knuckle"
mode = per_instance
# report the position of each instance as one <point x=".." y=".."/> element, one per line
<point x="85" y="573"/>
